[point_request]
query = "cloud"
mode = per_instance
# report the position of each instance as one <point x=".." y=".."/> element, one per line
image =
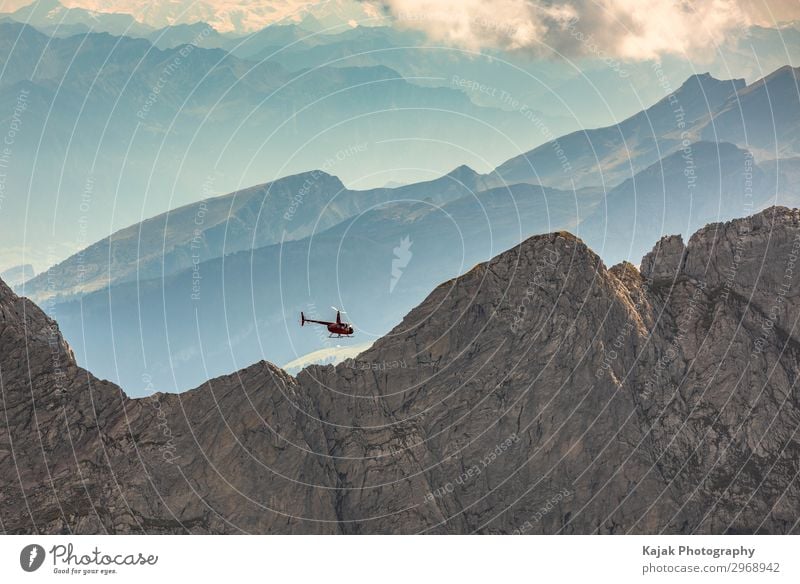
<point x="627" y="29"/>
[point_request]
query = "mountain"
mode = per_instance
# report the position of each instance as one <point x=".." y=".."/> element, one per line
<point x="705" y="182"/>
<point x="641" y="186"/>
<point x="539" y="393"/>
<point x="198" y="34"/>
<point x="230" y="16"/>
<point x="114" y="130"/>
<point x="17" y="275"/>
<point x="52" y="17"/>
<point x="765" y="116"/>
<point x="208" y="229"/>
<point x="376" y="265"/>
<point x="289" y="208"/>
<point x="607" y="156"/>
<point x="164" y="301"/>
<point x="762" y="117"/>
<point x="164" y="291"/>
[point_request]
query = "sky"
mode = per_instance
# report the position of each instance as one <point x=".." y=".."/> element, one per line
<point x="627" y="29"/>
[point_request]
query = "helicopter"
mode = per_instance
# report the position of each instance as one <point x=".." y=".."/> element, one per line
<point x="336" y="329"/>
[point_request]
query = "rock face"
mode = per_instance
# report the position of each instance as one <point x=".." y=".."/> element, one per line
<point x="539" y="393"/>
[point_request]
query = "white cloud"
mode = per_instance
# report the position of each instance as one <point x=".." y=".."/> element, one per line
<point x="628" y="29"/>
<point x="636" y="29"/>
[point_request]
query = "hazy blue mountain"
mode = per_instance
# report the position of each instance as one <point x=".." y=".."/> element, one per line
<point x="761" y="50"/>
<point x="583" y="92"/>
<point x="233" y="310"/>
<point x="763" y="117"/>
<point x="95" y="128"/>
<point x="601" y="93"/>
<point x="52" y="17"/>
<point x="99" y="149"/>
<point x="276" y="38"/>
<point x="607" y="156"/>
<point x="705" y="183"/>
<point x="290" y="208"/>
<point x="200" y="34"/>
<point x="225" y="312"/>
<point x="17" y="274"/>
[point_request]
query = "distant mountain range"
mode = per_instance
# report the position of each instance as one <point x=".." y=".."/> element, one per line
<point x="234" y="267"/>
<point x="763" y="117"/>
<point x="226" y="16"/>
<point x="291" y="208"/>
<point x="125" y="131"/>
<point x="136" y="129"/>
<point x="172" y="327"/>
<point x="17" y="275"/>
<point x="630" y="161"/>
<point x="127" y="127"/>
<point x="52" y="17"/>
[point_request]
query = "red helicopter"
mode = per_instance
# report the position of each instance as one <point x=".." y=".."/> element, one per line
<point x="339" y="329"/>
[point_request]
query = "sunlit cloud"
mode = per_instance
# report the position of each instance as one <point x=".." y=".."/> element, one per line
<point x="628" y="29"/>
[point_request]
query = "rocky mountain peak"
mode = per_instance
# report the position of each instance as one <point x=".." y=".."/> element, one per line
<point x="22" y="323"/>
<point x="538" y="374"/>
<point x="706" y="81"/>
<point x="665" y="261"/>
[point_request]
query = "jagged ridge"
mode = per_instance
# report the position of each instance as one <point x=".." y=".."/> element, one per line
<point x="539" y="393"/>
